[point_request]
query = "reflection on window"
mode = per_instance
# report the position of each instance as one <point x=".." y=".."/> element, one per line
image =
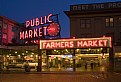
<point x="109" y="22"/>
<point x="85" y="23"/>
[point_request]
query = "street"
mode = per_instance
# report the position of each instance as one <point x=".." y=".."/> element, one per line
<point x="60" y="77"/>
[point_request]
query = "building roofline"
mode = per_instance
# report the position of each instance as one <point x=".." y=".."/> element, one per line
<point x="11" y="20"/>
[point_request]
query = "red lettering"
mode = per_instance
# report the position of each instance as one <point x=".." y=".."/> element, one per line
<point x="43" y="45"/>
<point x="85" y="43"/>
<point x="95" y="43"/>
<point x="57" y="44"/>
<point x="71" y="44"/>
<point x="40" y="32"/>
<point x="41" y="20"/>
<point x="45" y="20"/>
<point x="48" y="45"/>
<point x="89" y="43"/>
<point x="26" y="34"/>
<point x="62" y="44"/>
<point x="79" y="43"/>
<point x="30" y="33"/>
<point x="52" y="45"/>
<point x="37" y="21"/>
<point x="45" y="28"/>
<point x="32" y="22"/>
<point x="66" y="44"/>
<point x="105" y="42"/>
<point x="35" y="33"/>
<point x="100" y="43"/>
<point x="48" y="18"/>
<point x="27" y="23"/>
<point x="21" y="35"/>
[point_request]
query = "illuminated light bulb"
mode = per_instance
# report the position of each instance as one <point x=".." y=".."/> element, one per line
<point x="77" y="50"/>
<point x="19" y="55"/>
<point x="7" y="55"/>
<point x="73" y="37"/>
<point x="101" y="54"/>
<point x="89" y="48"/>
<point x="16" y="52"/>
<point x="22" y="53"/>
<point x="54" y="50"/>
<point x="66" y="49"/>
<point x="26" y="51"/>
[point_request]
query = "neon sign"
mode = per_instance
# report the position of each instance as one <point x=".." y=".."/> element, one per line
<point x="75" y="43"/>
<point x="39" y="21"/>
<point x="47" y="28"/>
<point x="33" y="33"/>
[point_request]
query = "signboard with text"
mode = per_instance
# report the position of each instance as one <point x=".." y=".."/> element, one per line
<point x="96" y="6"/>
<point x="76" y="43"/>
<point x="40" y="28"/>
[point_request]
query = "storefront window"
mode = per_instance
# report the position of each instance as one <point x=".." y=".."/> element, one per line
<point x="58" y="60"/>
<point x="15" y="60"/>
<point x="91" y="59"/>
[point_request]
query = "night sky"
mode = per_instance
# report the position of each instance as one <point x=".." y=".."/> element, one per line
<point x="22" y="10"/>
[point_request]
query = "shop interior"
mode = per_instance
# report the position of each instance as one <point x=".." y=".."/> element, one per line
<point x="85" y="59"/>
<point x="56" y="60"/>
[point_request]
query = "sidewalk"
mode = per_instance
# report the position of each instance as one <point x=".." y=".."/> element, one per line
<point x="51" y="72"/>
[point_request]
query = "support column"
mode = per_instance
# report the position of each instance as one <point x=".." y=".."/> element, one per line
<point x="74" y="66"/>
<point x="111" y="60"/>
<point x="39" y="67"/>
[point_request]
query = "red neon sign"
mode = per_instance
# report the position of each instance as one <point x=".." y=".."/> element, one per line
<point x="33" y="33"/>
<point x="39" y="21"/>
<point x="75" y="43"/>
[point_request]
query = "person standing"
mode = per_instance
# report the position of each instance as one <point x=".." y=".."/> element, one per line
<point x="27" y="67"/>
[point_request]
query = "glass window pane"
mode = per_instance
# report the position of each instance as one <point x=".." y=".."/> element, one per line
<point x="107" y="23"/>
<point x="5" y="25"/>
<point x="82" y="21"/>
<point x="88" y="25"/>
<point x="88" y="21"/>
<point x="107" y="20"/>
<point x="111" y="24"/>
<point x="111" y="19"/>
<point x="82" y="25"/>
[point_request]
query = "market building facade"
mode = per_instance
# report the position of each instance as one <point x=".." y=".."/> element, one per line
<point x="94" y="43"/>
<point x="95" y="20"/>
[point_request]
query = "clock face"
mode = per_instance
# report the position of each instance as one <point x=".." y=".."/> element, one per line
<point x="53" y="29"/>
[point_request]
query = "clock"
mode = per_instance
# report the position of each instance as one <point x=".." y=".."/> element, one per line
<point x="53" y="29"/>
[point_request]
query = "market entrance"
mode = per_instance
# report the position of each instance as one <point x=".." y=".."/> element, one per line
<point x="76" y="54"/>
<point x="60" y="60"/>
<point x="96" y="59"/>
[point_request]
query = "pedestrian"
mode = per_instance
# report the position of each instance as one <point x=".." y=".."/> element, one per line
<point x="85" y="65"/>
<point x="27" y="67"/>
